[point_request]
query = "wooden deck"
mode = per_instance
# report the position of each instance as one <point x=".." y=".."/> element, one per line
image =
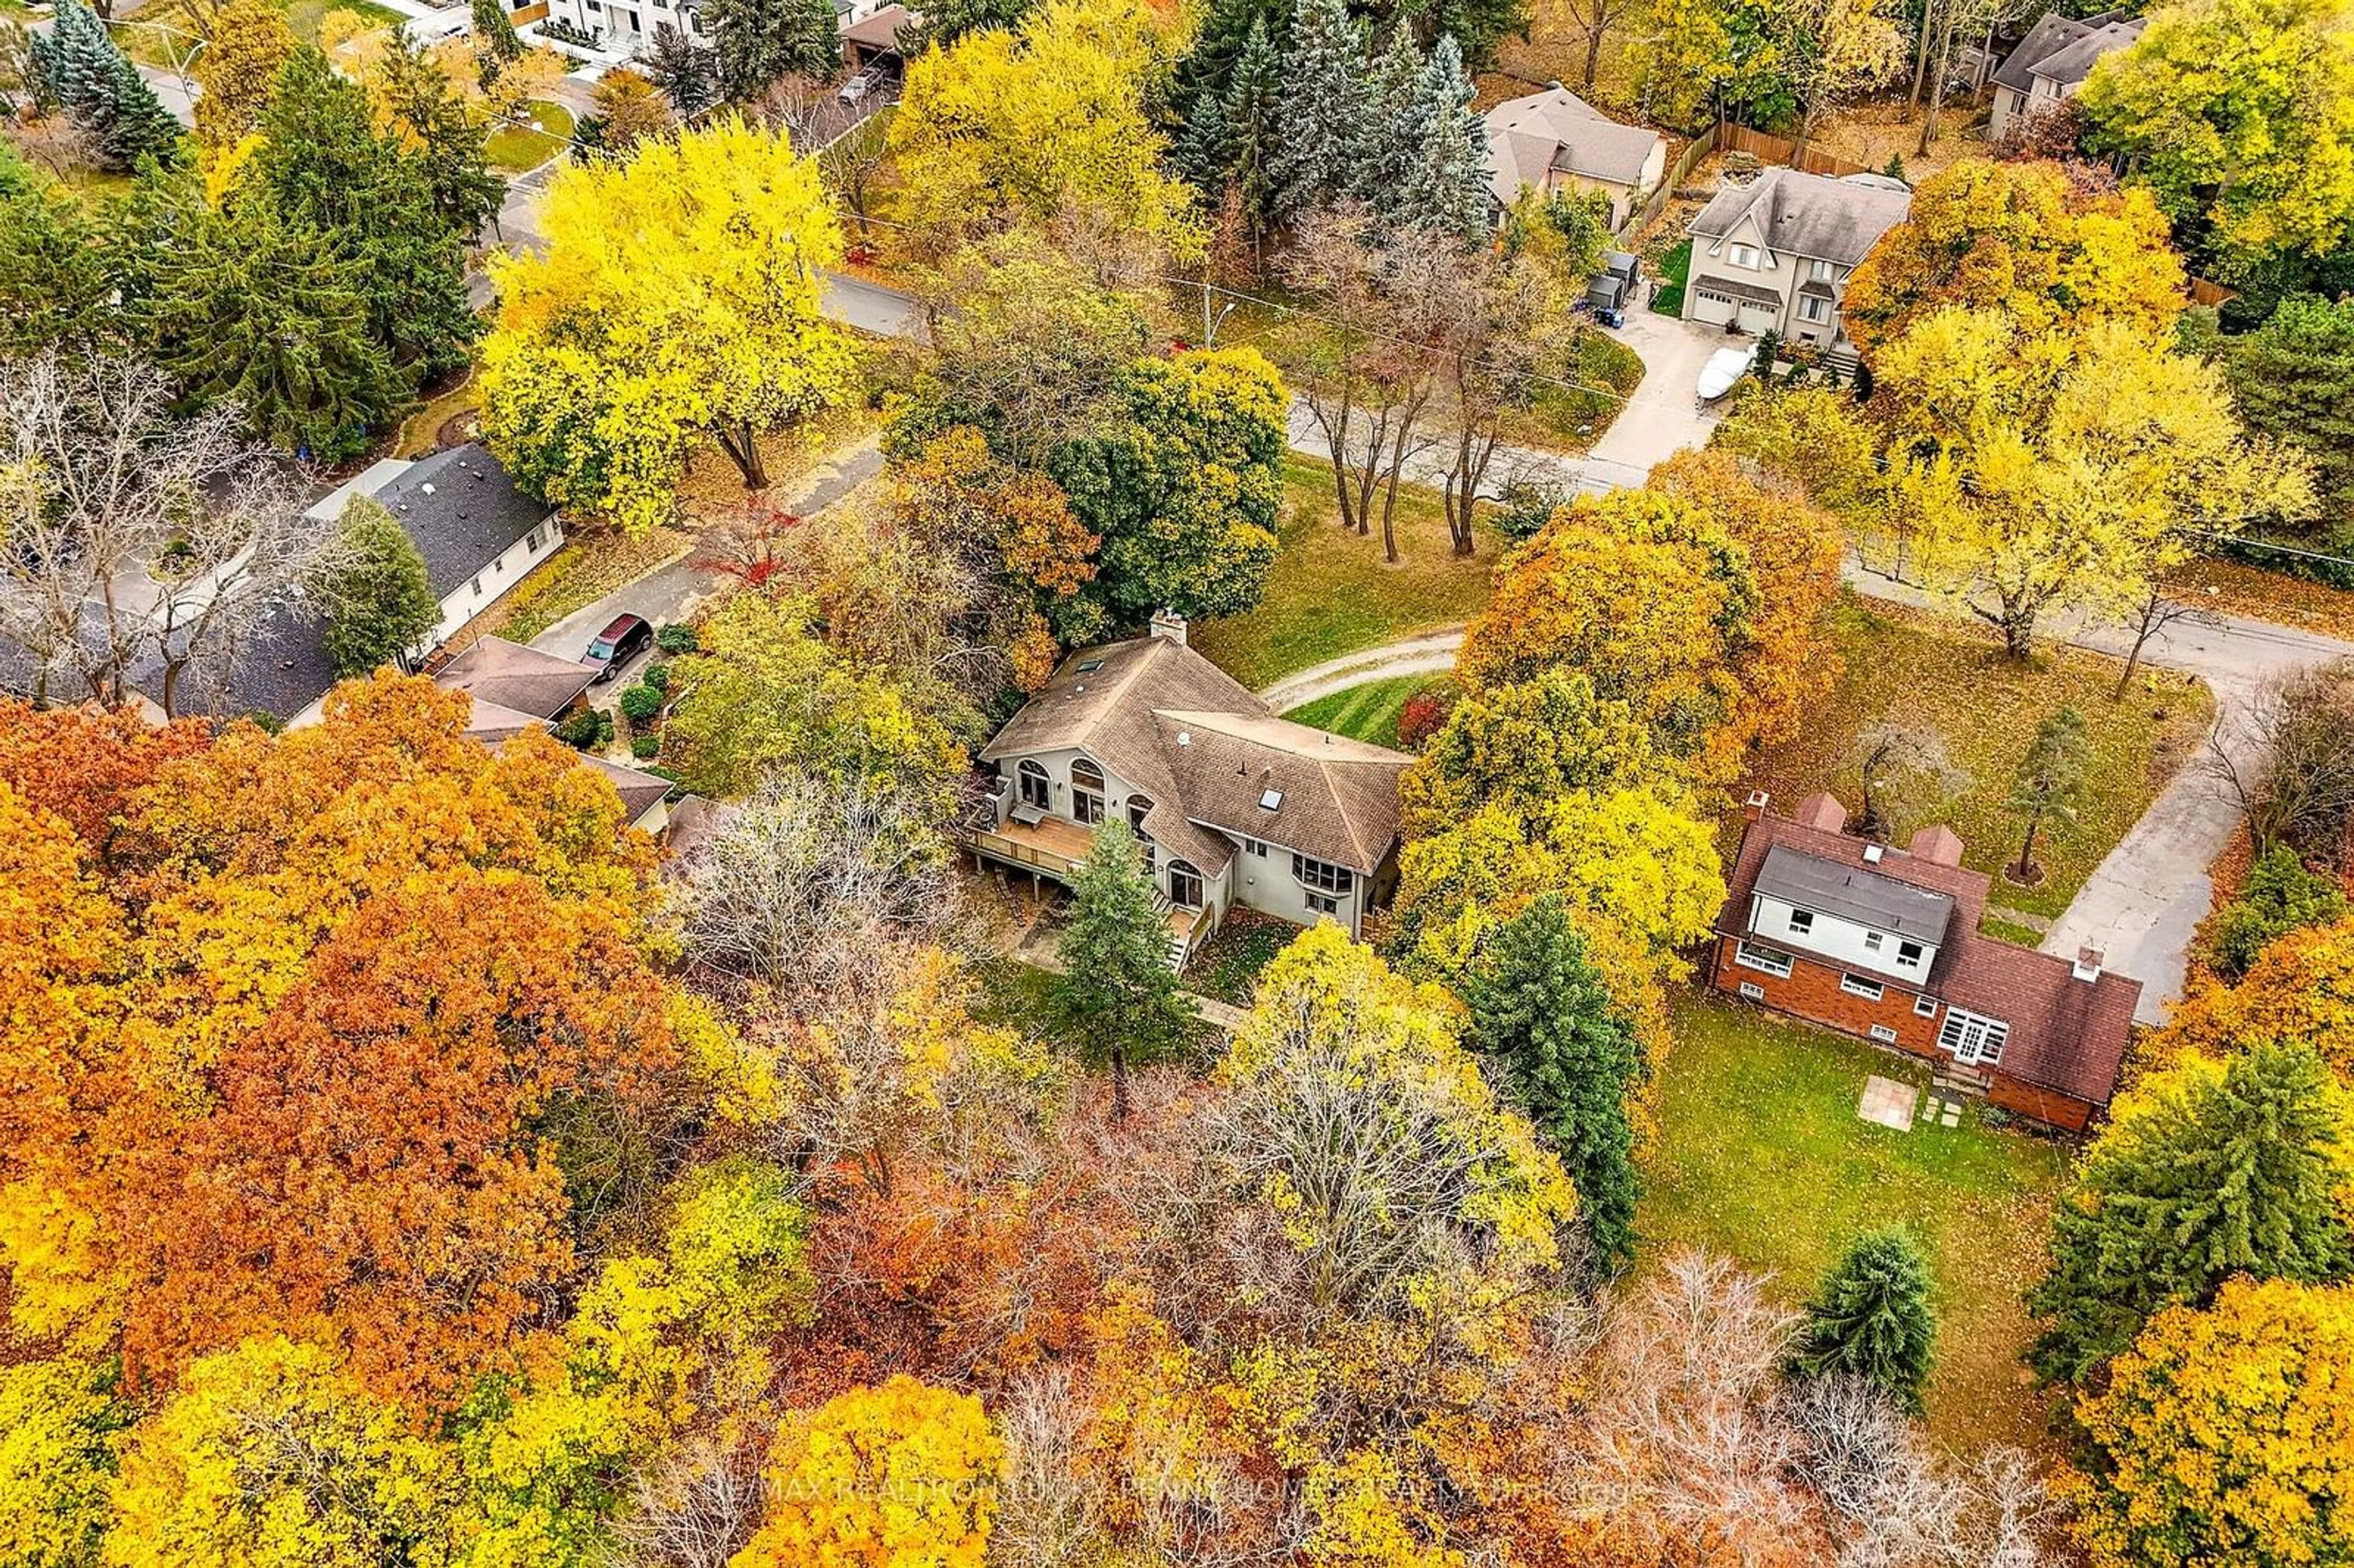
<point x="1052" y="848"/>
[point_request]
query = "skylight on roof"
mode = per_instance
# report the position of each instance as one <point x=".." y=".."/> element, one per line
<point x="1090" y="667"/>
<point x="1270" y="800"/>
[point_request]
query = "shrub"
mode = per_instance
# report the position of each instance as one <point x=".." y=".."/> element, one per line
<point x="677" y="637"/>
<point x="658" y="677"/>
<point x="1523" y="507"/>
<point x="585" y="729"/>
<point x="2281" y="896"/>
<point x="1424" y="714"/>
<point x="644" y="747"/>
<point x="641" y="704"/>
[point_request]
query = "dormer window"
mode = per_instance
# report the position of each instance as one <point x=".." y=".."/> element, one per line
<point x="1744" y="256"/>
<point x="1802" y="922"/>
<point x="1871" y="941"/>
<point x="1908" y="955"/>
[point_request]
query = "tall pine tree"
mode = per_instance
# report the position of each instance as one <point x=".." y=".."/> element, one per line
<point x="451" y="147"/>
<point x="2207" y="1169"/>
<point x="1118" y="992"/>
<point x="1233" y="134"/>
<point x="1326" y="115"/>
<point x="1443" y="185"/>
<point x="79" y="70"/>
<point x="1870" y="1317"/>
<point x="756" y="42"/>
<point x="378" y="595"/>
<point x="1208" y="67"/>
<point x="1541" y="1012"/>
<point x="1393" y="140"/>
<point x="682" y="70"/>
<point x="53" y="284"/>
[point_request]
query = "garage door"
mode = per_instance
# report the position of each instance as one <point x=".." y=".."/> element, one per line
<point x="1756" y="317"/>
<point x="1714" y="309"/>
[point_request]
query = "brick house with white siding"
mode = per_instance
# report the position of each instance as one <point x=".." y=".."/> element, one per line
<point x="1883" y="943"/>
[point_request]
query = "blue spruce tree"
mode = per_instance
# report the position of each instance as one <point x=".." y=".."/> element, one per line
<point x="1393" y="140"/>
<point x="76" y="66"/>
<point x="1443" y="187"/>
<point x="1316" y="159"/>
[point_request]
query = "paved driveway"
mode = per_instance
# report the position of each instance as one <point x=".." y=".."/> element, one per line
<point x="1662" y="417"/>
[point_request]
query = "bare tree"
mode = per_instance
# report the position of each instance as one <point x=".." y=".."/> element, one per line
<point x="2147" y="615"/>
<point x="1590" y="20"/>
<point x="695" y="1506"/>
<point x="1949" y="21"/>
<point x="140" y="545"/>
<point x="1367" y="374"/>
<point x="1492" y="340"/>
<point x="800" y="888"/>
<point x="1050" y="1504"/>
<point x="1903" y="767"/>
<point x="2287" y="755"/>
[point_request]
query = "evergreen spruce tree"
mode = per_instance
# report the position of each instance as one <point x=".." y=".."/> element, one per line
<point x="1326" y="126"/>
<point x="756" y="42"/>
<point x="494" y="35"/>
<point x="1541" y="1012"/>
<point x="1253" y="112"/>
<point x="1870" y="1317"/>
<point x="2050" y="783"/>
<point x="1208" y="67"/>
<point x="379" y="596"/>
<point x="682" y="70"/>
<point x="2206" y="1170"/>
<point x="82" y="72"/>
<point x="451" y="147"/>
<point x="53" y="278"/>
<point x="1199" y="152"/>
<point x="1444" y="188"/>
<point x="1118" y="994"/>
<point x="246" y="305"/>
<point x="325" y="167"/>
<point x="1394" y="139"/>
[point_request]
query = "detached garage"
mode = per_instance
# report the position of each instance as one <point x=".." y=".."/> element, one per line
<point x="1749" y="307"/>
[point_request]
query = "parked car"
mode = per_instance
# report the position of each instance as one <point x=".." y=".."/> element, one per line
<point x="623" y="640"/>
<point x="857" y="89"/>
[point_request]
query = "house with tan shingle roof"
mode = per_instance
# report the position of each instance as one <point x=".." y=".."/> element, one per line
<point x="1236" y="807"/>
<point x="1883" y="943"/>
<point x="1554" y="140"/>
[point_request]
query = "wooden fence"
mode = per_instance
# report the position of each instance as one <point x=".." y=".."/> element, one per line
<point x="1678" y="172"/>
<point x="1777" y="150"/>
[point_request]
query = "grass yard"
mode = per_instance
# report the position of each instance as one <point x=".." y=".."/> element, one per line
<point x="304" y="15"/>
<point x="595" y="561"/>
<point x="1569" y="419"/>
<point x="517" y="149"/>
<point x="1331" y="593"/>
<point x="1933" y="671"/>
<point x="1675" y="271"/>
<point x="1226" y="967"/>
<point x="1368" y="713"/>
<point x="1761" y="1156"/>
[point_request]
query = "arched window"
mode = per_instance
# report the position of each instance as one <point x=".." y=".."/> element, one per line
<point x="1086" y="792"/>
<point x="1032" y="781"/>
<point x="1184" y="885"/>
<point x="1138" y="808"/>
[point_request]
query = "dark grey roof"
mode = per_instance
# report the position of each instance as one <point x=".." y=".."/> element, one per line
<point x="280" y="668"/>
<point x="1808" y="215"/>
<point x="2080" y="41"/>
<point x="1817" y="286"/>
<point x="1712" y="284"/>
<point x="1866" y="897"/>
<point x="463" y="510"/>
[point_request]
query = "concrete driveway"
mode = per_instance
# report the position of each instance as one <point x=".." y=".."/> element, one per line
<point x="1662" y="416"/>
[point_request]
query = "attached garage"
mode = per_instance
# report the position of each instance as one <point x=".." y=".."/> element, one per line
<point x="1749" y="307"/>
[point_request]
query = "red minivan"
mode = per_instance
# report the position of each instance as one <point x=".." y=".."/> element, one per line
<point x="617" y="645"/>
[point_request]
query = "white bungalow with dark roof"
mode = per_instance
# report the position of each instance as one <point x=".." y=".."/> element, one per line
<point x="1236" y="806"/>
<point x="1774" y="255"/>
<point x="1554" y="140"/>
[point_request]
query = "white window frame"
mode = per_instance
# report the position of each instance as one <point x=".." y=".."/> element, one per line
<point x="1322" y="903"/>
<point x="1744" y="256"/>
<point x="1814" y="308"/>
<point x="1909" y="955"/>
<point x="1973" y="1037"/>
<point x="1188" y="871"/>
<point x="478" y="587"/>
<point x="1924" y="1006"/>
<point x="1884" y="1034"/>
<point x="1871" y="941"/>
<point x="1028" y="772"/>
<point x="1764" y="960"/>
<point x="1802" y="922"/>
<point x="1255" y="847"/>
<point x="1818" y="269"/>
<point x="1088" y="801"/>
<point x="1753" y="992"/>
<point x="1857" y="985"/>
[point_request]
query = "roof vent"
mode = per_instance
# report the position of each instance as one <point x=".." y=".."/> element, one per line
<point x="427" y="487"/>
<point x="1271" y="800"/>
<point x="1184" y="738"/>
<point x="1090" y="667"/>
<point x="1872" y="854"/>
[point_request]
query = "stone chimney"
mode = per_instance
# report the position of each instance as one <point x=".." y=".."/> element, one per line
<point x="1755" y="807"/>
<point x="1168" y="624"/>
<point x="2088" y="964"/>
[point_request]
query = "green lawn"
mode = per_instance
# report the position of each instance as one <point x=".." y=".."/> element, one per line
<point x="1675" y="271"/>
<point x="1561" y="417"/>
<point x="304" y="15"/>
<point x="517" y="149"/>
<point x="1368" y="713"/>
<point x="1226" y="967"/>
<point x="1941" y="673"/>
<point x="1761" y="1156"/>
<point x="1331" y="593"/>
